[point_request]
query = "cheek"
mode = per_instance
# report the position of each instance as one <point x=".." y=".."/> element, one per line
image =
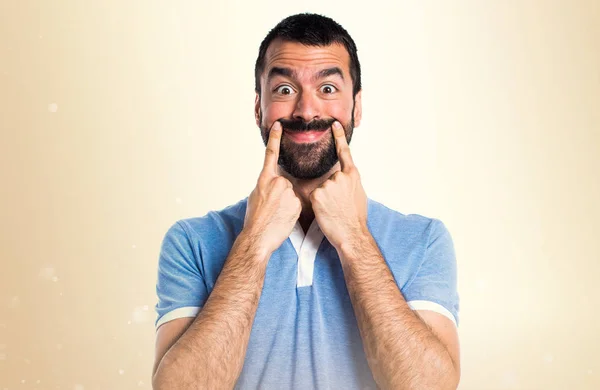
<point x="340" y="105"/>
<point x="339" y="111"/>
<point x="330" y="109"/>
<point x="274" y="111"/>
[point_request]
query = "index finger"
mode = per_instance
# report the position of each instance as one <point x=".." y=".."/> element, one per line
<point x="272" y="151"/>
<point x="341" y="145"/>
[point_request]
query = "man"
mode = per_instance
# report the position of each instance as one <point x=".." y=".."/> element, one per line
<point x="307" y="283"/>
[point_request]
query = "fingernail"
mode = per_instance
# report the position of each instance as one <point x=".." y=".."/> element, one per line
<point x="277" y="126"/>
<point x="336" y="124"/>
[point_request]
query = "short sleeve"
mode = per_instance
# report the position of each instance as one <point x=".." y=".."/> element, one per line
<point x="180" y="286"/>
<point x="435" y="285"/>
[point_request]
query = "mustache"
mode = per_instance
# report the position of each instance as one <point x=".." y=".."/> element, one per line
<point x="301" y="125"/>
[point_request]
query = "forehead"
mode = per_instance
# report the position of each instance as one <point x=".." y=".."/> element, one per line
<point x="301" y="57"/>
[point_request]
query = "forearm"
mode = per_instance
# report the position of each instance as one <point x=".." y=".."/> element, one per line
<point x="402" y="352"/>
<point x="211" y="352"/>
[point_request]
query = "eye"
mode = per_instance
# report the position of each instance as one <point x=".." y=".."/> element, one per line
<point x="284" y="90"/>
<point x="328" y="89"/>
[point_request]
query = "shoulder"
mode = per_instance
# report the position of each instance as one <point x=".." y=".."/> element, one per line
<point x="215" y="224"/>
<point x="391" y="225"/>
<point x="407" y="241"/>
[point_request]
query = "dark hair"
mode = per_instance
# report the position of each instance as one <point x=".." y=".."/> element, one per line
<point x="311" y="30"/>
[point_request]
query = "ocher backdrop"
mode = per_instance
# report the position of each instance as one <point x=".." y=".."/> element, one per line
<point x="119" y="117"/>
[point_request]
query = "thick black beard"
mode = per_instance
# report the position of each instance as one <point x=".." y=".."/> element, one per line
<point x="323" y="151"/>
<point x="299" y="125"/>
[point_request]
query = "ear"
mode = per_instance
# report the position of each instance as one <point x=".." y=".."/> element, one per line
<point x="358" y="108"/>
<point x="257" y="110"/>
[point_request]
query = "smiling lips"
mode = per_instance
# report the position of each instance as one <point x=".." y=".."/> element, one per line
<point x="305" y="136"/>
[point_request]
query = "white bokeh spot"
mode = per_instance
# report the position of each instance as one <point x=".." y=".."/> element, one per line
<point x="52" y="107"/>
<point x="47" y="273"/>
<point x="140" y="314"/>
<point x="14" y="302"/>
<point x="509" y="379"/>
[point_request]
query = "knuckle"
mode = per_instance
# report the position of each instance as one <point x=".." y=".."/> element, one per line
<point x="281" y="182"/>
<point x="315" y="194"/>
<point x="262" y="179"/>
<point x="290" y="193"/>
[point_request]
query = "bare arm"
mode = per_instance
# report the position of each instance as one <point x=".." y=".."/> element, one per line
<point x="210" y="353"/>
<point x="402" y="350"/>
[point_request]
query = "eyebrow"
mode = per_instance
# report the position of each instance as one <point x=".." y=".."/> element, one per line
<point x="289" y="73"/>
<point x="285" y="72"/>
<point x="330" y="72"/>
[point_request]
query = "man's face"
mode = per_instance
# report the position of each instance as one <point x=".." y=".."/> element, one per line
<point x="306" y="88"/>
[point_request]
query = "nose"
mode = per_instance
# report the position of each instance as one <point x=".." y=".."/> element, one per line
<point x="308" y="107"/>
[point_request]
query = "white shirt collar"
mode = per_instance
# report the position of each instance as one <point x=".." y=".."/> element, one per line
<point x="306" y="247"/>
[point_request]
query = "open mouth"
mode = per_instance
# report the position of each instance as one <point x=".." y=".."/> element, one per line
<point x="305" y="136"/>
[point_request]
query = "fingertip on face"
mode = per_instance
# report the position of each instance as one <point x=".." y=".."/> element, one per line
<point x="336" y="127"/>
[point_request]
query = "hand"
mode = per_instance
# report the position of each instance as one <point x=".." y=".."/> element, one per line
<point x="273" y="207"/>
<point x="340" y="203"/>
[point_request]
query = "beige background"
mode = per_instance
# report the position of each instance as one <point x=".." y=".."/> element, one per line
<point x="120" y="117"/>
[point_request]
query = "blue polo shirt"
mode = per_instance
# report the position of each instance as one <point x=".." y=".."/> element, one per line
<point x="305" y="334"/>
